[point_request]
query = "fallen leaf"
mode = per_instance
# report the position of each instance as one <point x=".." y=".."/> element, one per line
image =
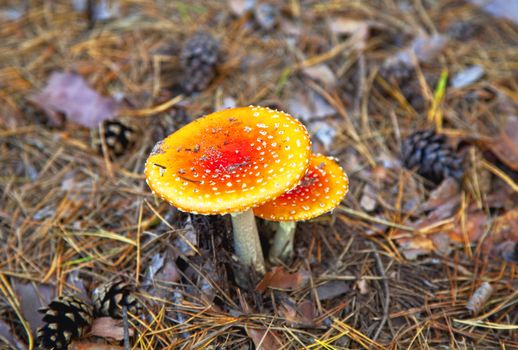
<point x="266" y="15"/>
<point x="9" y="337"/>
<point x="324" y="132"/>
<point x="74" y="280"/>
<point x="264" y="339"/>
<point x="505" y="146"/>
<point x="187" y="238"/>
<point x="447" y="191"/>
<point x="321" y="73"/>
<point x="307" y="104"/>
<point x="69" y="94"/>
<point x="300" y="315"/>
<point x="467" y="76"/>
<point x="240" y="7"/>
<point x="413" y="247"/>
<point x="357" y="29"/>
<point x="169" y="272"/>
<point x="279" y="278"/>
<point x="76" y="345"/>
<point x="362" y="286"/>
<point x="442" y="203"/>
<point x="424" y="47"/>
<point x="107" y="327"/>
<point x="368" y="199"/>
<point x="476" y="225"/>
<point x="479" y="298"/>
<point x="342" y="25"/>
<point x="427" y="48"/>
<point x="160" y="273"/>
<point x="105" y="10"/>
<point x="442" y="243"/>
<point x="332" y="289"/>
<point x="13" y="13"/>
<point x="32" y="297"/>
<point x="500" y="8"/>
<point x="508" y="251"/>
<point x="505" y="227"/>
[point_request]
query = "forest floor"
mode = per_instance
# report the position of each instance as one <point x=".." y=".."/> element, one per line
<point x="402" y="263"/>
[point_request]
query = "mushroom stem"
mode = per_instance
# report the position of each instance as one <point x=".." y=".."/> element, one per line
<point x="282" y="248"/>
<point x="247" y="245"/>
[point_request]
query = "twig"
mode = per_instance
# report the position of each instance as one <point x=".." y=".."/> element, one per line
<point x="125" y="325"/>
<point x="386" y="302"/>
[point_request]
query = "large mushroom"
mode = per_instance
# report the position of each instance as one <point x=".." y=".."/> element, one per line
<point x="229" y="162"/>
<point x="321" y="190"/>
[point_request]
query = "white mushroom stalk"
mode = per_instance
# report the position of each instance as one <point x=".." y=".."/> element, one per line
<point x="247" y="245"/>
<point x="283" y="242"/>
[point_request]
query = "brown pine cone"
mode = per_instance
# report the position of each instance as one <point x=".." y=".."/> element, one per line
<point x="118" y="136"/>
<point x="199" y="58"/>
<point x="110" y="297"/>
<point x="66" y="318"/>
<point x="430" y="155"/>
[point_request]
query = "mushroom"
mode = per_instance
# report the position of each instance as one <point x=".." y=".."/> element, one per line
<point x="321" y="190"/>
<point x="229" y="162"/>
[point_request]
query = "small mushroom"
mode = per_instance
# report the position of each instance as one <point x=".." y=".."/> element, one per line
<point x="321" y="190"/>
<point x="229" y="162"/>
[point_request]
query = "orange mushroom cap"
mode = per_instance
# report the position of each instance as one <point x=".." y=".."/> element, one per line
<point x="321" y="190"/>
<point x="229" y="161"/>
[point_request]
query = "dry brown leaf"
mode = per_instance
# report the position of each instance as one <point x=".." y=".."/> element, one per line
<point x="321" y="73"/>
<point x="359" y="30"/>
<point x="279" y="278"/>
<point x="504" y="230"/>
<point x="264" y="339"/>
<point x="332" y="289"/>
<point x="505" y="146"/>
<point x="94" y="346"/>
<point x="368" y="199"/>
<point x="362" y="286"/>
<point x="68" y="93"/>
<point x="506" y="227"/>
<point x="442" y="204"/>
<point x="412" y="247"/>
<point x="476" y="225"/>
<point x="447" y="191"/>
<point x="499" y="8"/>
<point x="32" y="297"/>
<point x="107" y="327"/>
<point x="342" y="25"/>
<point x="8" y="336"/>
<point x="301" y="315"/>
<point x="240" y="7"/>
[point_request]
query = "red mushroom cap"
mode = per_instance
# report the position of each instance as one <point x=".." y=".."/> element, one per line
<point x="229" y="161"/>
<point x="321" y="190"/>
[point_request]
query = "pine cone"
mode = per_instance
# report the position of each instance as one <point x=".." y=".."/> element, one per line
<point x="110" y="297"/>
<point x="198" y="58"/>
<point x="66" y="318"/>
<point x="431" y="156"/>
<point x="118" y="137"/>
